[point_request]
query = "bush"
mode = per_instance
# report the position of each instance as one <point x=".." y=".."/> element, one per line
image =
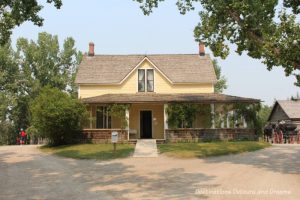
<point x="57" y="116"/>
<point x="8" y="135"/>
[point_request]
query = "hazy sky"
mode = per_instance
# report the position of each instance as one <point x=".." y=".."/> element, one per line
<point x="119" y="27"/>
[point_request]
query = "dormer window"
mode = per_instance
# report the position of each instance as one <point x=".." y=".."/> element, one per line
<point x="145" y="80"/>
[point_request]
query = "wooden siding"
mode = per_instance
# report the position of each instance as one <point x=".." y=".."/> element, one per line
<point x="157" y="118"/>
<point x="278" y="114"/>
<point x="130" y="85"/>
<point x="134" y="119"/>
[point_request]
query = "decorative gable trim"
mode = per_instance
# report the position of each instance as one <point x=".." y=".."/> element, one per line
<point x="139" y="64"/>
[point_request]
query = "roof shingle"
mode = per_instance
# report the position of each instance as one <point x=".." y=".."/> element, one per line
<point x="179" y="68"/>
<point x="291" y="108"/>
<point x="168" y="98"/>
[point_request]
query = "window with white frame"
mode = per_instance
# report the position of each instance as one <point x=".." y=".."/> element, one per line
<point x="141" y="87"/>
<point x="146" y="80"/>
<point x="103" y="120"/>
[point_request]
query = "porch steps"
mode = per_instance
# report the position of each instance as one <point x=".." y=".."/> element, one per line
<point x="158" y="141"/>
<point x="145" y="148"/>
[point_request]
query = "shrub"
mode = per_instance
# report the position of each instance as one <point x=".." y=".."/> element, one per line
<point x="8" y="135"/>
<point x="57" y="116"/>
<point x="182" y="115"/>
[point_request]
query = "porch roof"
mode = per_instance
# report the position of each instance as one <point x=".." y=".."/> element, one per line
<point x="168" y="98"/>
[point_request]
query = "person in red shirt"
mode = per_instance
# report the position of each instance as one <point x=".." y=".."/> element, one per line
<point x="23" y="136"/>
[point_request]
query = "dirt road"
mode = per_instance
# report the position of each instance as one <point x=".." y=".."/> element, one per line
<point x="273" y="173"/>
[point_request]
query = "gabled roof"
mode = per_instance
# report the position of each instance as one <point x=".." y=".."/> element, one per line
<point x="168" y="98"/>
<point x="290" y="107"/>
<point x="178" y="68"/>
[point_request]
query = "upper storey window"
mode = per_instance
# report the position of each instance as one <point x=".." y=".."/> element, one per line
<point x="150" y="80"/>
<point x="141" y="80"/>
<point x="145" y="80"/>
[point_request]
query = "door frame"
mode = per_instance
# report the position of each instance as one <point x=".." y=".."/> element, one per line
<point x="140" y="122"/>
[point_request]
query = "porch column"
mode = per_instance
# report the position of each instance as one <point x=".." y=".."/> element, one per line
<point x="212" y="107"/>
<point x="227" y="120"/>
<point x="235" y="119"/>
<point x="91" y="117"/>
<point x="127" y="120"/>
<point x="165" y="119"/>
<point x="223" y="120"/>
<point x="244" y="122"/>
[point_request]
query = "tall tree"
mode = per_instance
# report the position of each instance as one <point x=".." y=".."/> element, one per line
<point x="42" y="63"/>
<point x="15" y="12"/>
<point x="264" y="114"/>
<point x="9" y="76"/>
<point x="264" y="29"/>
<point x="34" y="65"/>
<point x="221" y="84"/>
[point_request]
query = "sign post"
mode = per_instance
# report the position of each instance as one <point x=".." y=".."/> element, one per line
<point x="114" y="139"/>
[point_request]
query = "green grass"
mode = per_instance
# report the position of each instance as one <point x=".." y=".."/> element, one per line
<point x="91" y="151"/>
<point x="192" y="150"/>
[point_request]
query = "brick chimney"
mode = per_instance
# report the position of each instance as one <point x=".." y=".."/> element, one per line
<point x="201" y="49"/>
<point x="91" y="49"/>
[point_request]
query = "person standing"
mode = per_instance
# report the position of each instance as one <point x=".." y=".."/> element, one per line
<point x="23" y="136"/>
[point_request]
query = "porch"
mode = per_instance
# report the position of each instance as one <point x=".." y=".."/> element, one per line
<point x="175" y="135"/>
<point x="146" y="116"/>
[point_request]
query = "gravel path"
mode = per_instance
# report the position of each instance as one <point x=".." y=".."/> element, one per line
<point x="272" y="173"/>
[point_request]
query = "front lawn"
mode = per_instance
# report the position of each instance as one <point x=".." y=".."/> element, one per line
<point x="91" y="151"/>
<point x="191" y="150"/>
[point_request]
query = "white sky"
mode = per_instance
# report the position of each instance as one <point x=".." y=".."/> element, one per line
<point x="119" y="27"/>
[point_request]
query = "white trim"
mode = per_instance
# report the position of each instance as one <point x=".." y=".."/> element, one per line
<point x="245" y="125"/>
<point x="227" y="120"/>
<point x="137" y="84"/>
<point x="166" y="126"/>
<point x="88" y="84"/>
<point x="127" y="119"/>
<point x="138" y="65"/>
<point x="190" y="83"/>
<point x="145" y="82"/>
<point x="91" y="115"/>
<point x="212" y="107"/>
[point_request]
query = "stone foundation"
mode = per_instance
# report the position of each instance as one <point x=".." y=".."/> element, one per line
<point x="103" y="135"/>
<point x="199" y="134"/>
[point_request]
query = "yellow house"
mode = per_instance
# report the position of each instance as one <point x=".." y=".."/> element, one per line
<point x="146" y="84"/>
